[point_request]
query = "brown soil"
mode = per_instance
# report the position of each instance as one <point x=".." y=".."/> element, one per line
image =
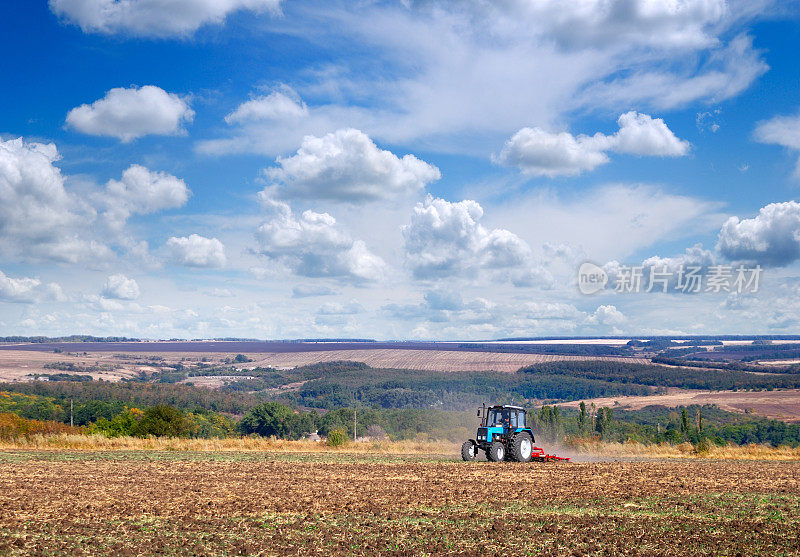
<point x="71" y="503"/>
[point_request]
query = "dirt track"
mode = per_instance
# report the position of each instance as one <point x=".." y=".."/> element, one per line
<point x="140" y="503"/>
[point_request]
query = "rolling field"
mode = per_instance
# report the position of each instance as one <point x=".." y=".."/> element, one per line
<point x="261" y="503"/>
<point x="16" y="365"/>
<point x="781" y="405"/>
<point x="429" y="360"/>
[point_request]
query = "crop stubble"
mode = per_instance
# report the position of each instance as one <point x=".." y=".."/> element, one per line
<point x="89" y="504"/>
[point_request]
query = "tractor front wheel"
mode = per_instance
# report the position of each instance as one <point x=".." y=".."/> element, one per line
<point x="521" y="448"/>
<point x="469" y="451"/>
<point x="496" y="452"/>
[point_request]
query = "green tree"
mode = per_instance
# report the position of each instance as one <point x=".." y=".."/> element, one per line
<point x="123" y="424"/>
<point x="271" y="419"/>
<point x="162" y="421"/>
<point x="604" y="424"/>
<point x="582" y="419"/>
<point x="549" y="423"/>
<point x="684" y="422"/>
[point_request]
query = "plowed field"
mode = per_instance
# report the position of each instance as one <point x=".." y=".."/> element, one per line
<point x="134" y="503"/>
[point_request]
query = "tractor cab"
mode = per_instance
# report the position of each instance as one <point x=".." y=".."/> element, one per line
<point x="505" y="417"/>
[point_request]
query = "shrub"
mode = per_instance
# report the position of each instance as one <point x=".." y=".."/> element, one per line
<point x="12" y="426"/>
<point x="703" y="446"/>
<point x="337" y="438"/>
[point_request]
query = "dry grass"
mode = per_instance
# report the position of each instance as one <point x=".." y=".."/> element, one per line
<point x="244" y="444"/>
<point x="580" y="449"/>
<point x="589" y="448"/>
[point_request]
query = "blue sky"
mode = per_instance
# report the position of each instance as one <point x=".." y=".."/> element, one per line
<point x="431" y="169"/>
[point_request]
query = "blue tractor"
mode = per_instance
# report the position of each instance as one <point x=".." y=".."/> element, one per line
<point x="503" y="435"/>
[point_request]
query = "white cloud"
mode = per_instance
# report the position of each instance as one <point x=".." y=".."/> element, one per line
<point x="770" y="238"/>
<point x="445" y="239"/>
<point x="335" y="308"/>
<point x="661" y="274"/>
<point x="142" y="191"/>
<point x="609" y="222"/>
<point x="725" y="72"/>
<point x="694" y="256"/>
<point x="606" y="315"/>
<point x="640" y="134"/>
<point x="781" y="130"/>
<point x="197" y="251"/>
<point x="310" y="290"/>
<point x="153" y="18"/>
<point x="27" y="290"/>
<point x="277" y="106"/>
<point x="128" y="114"/>
<point x="541" y="153"/>
<point x="39" y="219"/>
<point x="657" y="23"/>
<point x="347" y="166"/>
<point x="120" y="287"/>
<point x="459" y="76"/>
<point x="314" y="245"/>
<point x="219" y="293"/>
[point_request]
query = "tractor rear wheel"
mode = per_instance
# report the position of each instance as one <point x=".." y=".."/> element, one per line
<point x="521" y="448"/>
<point x="469" y="451"/>
<point x="496" y="452"/>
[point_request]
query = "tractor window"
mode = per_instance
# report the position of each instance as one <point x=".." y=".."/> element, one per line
<point x="514" y="419"/>
<point x="521" y="419"/>
<point x="498" y="417"/>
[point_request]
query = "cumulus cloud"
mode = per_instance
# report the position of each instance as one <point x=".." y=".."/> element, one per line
<point x="313" y="244"/>
<point x="694" y="256"/>
<point x="347" y="166"/>
<point x="39" y="219"/>
<point x="153" y="18"/>
<point x="128" y="114"/>
<point x="197" y="251"/>
<point x="28" y="290"/>
<point x="120" y="287"/>
<point x="781" y="130"/>
<point x="606" y="315"/>
<point x="277" y="106"/>
<point x="445" y="239"/>
<point x="541" y="153"/>
<point x="771" y="238"/>
<point x="142" y="191"/>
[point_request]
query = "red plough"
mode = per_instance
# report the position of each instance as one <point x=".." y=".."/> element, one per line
<point x="538" y="454"/>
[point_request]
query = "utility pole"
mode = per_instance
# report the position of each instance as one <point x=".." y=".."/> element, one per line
<point x="71" y="421"/>
<point x="355" y="423"/>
